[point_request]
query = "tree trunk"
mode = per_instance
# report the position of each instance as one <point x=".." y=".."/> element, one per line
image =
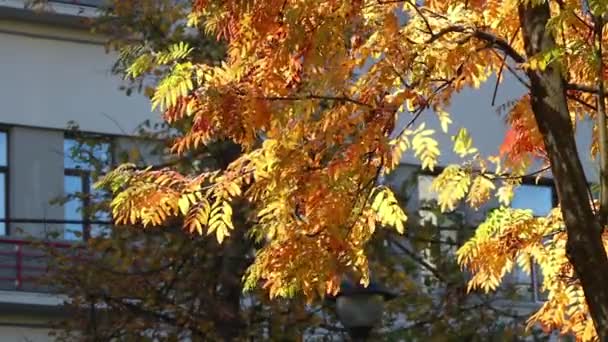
<point x="229" y="323"/>
<point x="233" y="260"/>
<point x="584" y="247"/>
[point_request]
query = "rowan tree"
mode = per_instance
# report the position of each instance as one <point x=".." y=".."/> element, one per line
<point x="311" y="92"/>
<point x="132" y="283"/>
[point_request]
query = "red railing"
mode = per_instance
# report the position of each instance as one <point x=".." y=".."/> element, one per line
<point x="23" y="262"/>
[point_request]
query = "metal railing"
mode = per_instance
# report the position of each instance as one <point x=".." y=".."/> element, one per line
<point x="23" y="261"/>
<point x="88" y="3"/>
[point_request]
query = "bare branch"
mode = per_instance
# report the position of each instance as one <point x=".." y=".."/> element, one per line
<point x="514" y="73"/>
<point x="534" y="173"/>
<point x="316" y="97"/>
<point x="582" y="88"/>
<point x="426" y="21"/>
<point x="502" y="65"/>
<point x="497" y="42"/>
<point x="419" y="260"/>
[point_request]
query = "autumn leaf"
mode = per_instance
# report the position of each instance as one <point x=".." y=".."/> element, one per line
<point x="324" y="97"/>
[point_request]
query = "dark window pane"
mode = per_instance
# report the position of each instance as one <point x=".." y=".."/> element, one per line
<point x="3" y="149"/>
<point x="536" y="197"/>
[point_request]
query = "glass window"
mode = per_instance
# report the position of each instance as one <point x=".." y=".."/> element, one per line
<point x="425" y="193"/>
<point x="73" y="208"/>
<point x="3" y="149"/>
<point x="85" y="156"/>
<point x="437" y="226"/>
<point x="539" y="198"/>
<point x="2" y="203"/>
<point x="81" y="161"/>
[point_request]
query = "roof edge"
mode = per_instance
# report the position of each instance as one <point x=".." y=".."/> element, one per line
<point x="63" y="14"/>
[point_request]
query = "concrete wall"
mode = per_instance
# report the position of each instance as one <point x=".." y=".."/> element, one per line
<point x="473" y="109"/>
<point x="35" y="177"/>
<point x="26" y="316"/>
<point x="51" y="76"/>
<point x="24" y="333"/>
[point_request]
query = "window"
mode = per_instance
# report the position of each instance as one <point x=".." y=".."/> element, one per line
<point x="429" y="210"/>
<point x="81" y="161"/>
<point x="445" y="229"/>
<point x="539" y="198"/>
<point x="3" y="181"/>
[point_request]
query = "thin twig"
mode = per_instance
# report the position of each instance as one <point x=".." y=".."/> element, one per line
<point x="502" y="65"/>
<point x="514" y="73"/>
<point x="588" y="105"/>
<point x="506" y="177"/>
<point x="315" y="97"/>
<point x="497" y="42"/>
<point x="419" y="260"/>
<point x="426" y="21"/>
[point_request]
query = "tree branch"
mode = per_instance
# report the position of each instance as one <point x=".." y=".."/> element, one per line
<point x="497" y="42"/>
<point x="514" y="73"/>
<point x="502" y="65"/>
<point x="419" y="260"/>
<point x="581" y="87"/>
<point x="601" y="126"/>
<point x="534" y="173"/>
<point x="426" y="21"/>
<point x="315" y="97"/>
<point x="576" y="99"/>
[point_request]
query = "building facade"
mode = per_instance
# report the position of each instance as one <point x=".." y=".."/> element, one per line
<point x="53" y="73"/>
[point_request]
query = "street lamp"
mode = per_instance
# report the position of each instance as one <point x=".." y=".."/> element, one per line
<point x="360" y="308"/>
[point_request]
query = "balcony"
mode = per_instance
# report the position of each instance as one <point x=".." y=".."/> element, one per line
<point x="24" y="261"/>
<point x="22" y="264"/>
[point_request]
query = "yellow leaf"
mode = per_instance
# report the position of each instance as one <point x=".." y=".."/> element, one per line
<point x="444" y="119"/>
<point x="221" y="233"/>
<point x="505" y="194"/>
<point x="463" y="143"/>
<point x="184" y="204"/>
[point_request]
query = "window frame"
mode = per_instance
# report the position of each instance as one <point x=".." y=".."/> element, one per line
<point x="534" y="280"/>
<point x="85" y="179"/>
<point x="526" y="180"/>
<point x="5" y="169"/>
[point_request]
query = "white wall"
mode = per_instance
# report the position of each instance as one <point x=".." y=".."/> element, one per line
<point x="36" y="178"/>
<point x="24" y="334"/>
<point x="472" y="109"/>
<point x="49" y="76"/>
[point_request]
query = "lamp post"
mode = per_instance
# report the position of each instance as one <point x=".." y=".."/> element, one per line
<point x="360" y="308"/>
